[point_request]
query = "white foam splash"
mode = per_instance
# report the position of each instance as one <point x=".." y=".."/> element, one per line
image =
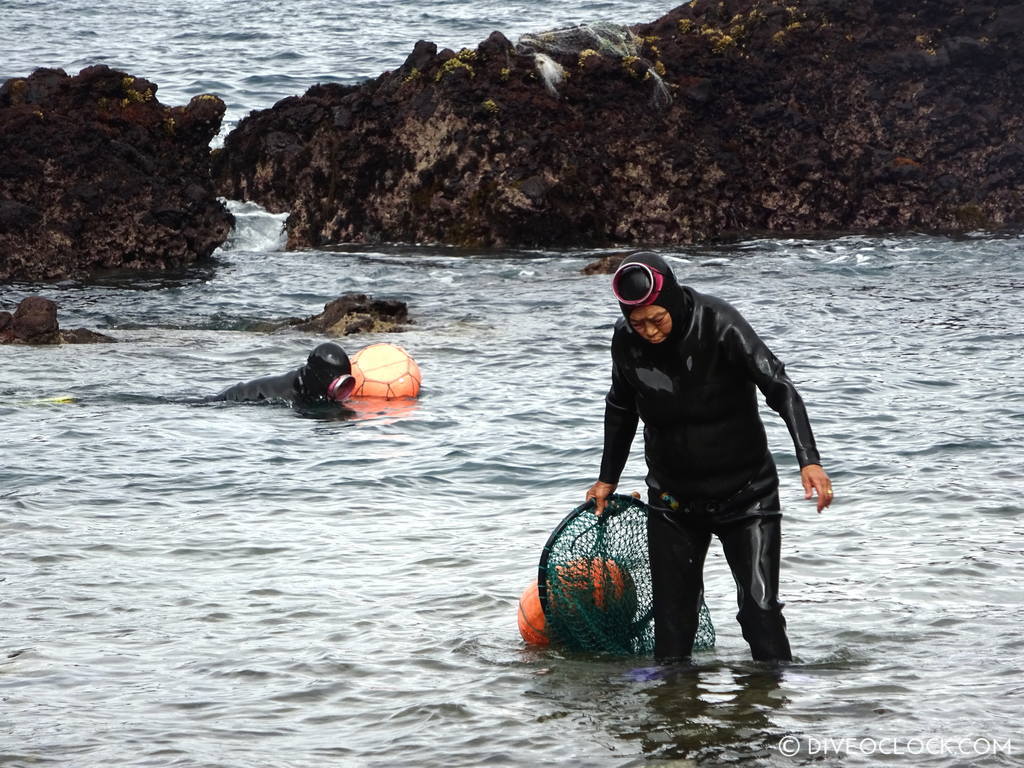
<point x="256" y="229"/>
<point x="551" y="72"/>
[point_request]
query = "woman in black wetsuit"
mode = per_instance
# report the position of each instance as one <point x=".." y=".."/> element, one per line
<point x="687" y="364"/>
<point x="326" y="377"/>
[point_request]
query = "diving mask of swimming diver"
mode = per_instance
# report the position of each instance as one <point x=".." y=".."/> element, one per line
<point x="341" y="388"/>
<point x="637" y="284"/>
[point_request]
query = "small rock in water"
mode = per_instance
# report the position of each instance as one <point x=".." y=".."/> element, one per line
<point x="606" y="265"/>
<point x="35" y="322"/>
<point x="352" y="313"/>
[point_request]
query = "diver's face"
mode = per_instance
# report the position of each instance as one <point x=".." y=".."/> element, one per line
<point x="652" y="322"/>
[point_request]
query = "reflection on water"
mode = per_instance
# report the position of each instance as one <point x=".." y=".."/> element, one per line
<point x="720" y="713"/>
<point x="384" y="411"/>
<point x="699" y="714"/>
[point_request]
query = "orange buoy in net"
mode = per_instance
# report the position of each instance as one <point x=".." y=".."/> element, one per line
<point x="532" y="625"/>
<point x="387" y="371"/>
<point x="595" y="581"/>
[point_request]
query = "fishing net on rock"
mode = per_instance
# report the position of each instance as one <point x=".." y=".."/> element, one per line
<point x="594" y="582"/>
<point x="604" y="37"/>
<point x="582" y="40"/>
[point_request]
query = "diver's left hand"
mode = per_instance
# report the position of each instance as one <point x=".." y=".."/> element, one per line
<point x="816" y="481"/>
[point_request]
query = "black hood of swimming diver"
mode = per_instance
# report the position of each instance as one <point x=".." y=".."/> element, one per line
<point x="325" y="363"/>
<point x="672" y="297"/>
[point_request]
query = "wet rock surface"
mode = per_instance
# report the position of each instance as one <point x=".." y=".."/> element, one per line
<point x="349" y="314"/>
<point x="96" y="174"/>
<point x="734" y="118"/>
<point x="34" y="321"/>
<point x="606" y="265"/>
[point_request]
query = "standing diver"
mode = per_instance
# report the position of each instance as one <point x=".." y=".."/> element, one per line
<point x="687" y="364"/>
<point x="326" y="377"/>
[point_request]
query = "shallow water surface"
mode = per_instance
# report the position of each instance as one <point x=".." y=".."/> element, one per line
<point x="225" y="584"/>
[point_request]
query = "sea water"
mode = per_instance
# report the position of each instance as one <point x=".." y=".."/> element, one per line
<point x="244" y="585"/>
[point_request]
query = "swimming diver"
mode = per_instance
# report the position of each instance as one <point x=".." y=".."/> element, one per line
<point x="687" y="364"/>
<point x="325" y="378"/>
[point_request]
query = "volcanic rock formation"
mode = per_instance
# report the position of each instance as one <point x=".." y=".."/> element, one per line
<point x="722" y="118"/>
<point x="35" y="322"/>
<point x="606" y="265"/>
<point x="348" y="314"/>
<point x="95" y="173"/>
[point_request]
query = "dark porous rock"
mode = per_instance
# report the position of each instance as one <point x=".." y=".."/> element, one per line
<point x="85" y="336"/>
<point x="726" y="118"/>
<point x="353" y="313"/>
<point x="606" y="265"/>
<point x="35" y="322"/>
<point x="95" y="173"/>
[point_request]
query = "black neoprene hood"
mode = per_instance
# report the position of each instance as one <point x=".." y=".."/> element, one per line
<point x="324" y="364"/>
<point x="671" y="297"/>
<point x="329" y="360"/>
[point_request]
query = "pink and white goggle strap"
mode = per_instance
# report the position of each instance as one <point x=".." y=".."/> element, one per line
<point x="654" y="280"/>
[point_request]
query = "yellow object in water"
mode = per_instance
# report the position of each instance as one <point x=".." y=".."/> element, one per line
<point x="58" y="400"/>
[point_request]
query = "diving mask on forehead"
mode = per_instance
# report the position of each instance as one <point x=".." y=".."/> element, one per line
<point x="637" y="284"/>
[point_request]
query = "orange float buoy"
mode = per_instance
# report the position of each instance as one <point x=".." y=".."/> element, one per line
<point x="387" y="371"/>
<point x="532" y="625"/>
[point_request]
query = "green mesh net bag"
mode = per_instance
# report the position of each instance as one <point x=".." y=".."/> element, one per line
<point x="602" y="37"/>
<point x="594" y="582"/>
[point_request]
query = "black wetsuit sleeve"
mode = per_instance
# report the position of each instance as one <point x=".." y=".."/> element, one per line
<point x="267" y="388"/>
<point x="620" y="421"/>
<point x="769" y="374"/>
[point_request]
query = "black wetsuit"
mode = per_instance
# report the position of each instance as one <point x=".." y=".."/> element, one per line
<point x="286" y="386"/>
<point x="304" y="386"/>
<point x="709" y="467"/>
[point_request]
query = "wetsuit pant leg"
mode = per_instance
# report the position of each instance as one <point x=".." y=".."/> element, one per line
<point x="752" y="550"/>
<point x="677" y="554"/>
